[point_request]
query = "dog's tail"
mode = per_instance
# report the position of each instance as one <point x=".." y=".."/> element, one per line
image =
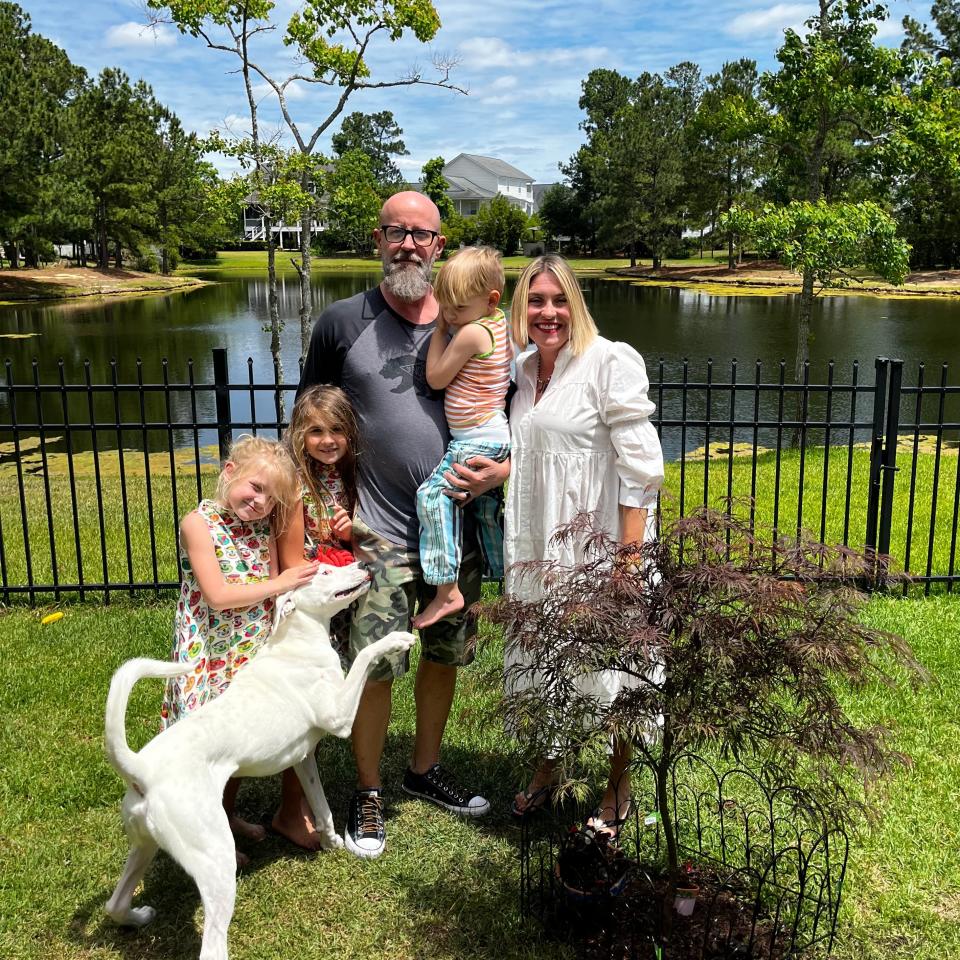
<point x="115" y="727"/>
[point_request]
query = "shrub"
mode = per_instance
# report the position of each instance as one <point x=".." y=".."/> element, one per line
<point x="731" y="640"/>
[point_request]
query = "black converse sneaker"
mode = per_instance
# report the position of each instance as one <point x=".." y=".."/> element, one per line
<point x="365" y="834"/>
<point x="439" y="787"/>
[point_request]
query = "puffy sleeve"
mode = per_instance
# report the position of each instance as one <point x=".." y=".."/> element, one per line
<point x="626" y="410"/>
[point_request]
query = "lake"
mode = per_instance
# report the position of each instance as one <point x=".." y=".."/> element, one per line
<point x="663" y="323"/>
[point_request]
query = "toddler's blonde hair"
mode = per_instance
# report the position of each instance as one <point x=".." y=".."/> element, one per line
<point x="250" y="454"/>
<point x="469" y="273"/>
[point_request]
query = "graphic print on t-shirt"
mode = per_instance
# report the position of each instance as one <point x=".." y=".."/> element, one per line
<point x="411" y="371"/>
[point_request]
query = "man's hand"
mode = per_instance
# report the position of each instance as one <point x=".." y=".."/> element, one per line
<point x="476" y="476"/>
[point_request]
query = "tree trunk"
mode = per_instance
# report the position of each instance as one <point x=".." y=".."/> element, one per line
<point x="730" y="261"/>
<point x="103" y="254"/>
<point x="306" y="294"/>
<point x="273" y="310"/>
<point x="803" y="346"/>
<point x="633" y="253"/>
<point x="118" y="255"/>
<point x="164" y="256"/>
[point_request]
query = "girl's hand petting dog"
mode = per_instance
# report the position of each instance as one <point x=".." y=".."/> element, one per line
<point x="294" y="577"/>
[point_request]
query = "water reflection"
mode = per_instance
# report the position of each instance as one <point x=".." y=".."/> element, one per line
<point x="115" y="345"/>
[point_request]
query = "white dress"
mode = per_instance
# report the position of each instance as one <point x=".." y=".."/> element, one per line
<point x="588" y="445"/>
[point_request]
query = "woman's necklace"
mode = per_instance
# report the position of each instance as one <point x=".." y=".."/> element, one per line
<point x="542" y="382"/>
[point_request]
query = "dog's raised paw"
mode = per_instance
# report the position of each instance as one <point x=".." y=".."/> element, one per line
<point x="400" y="640"/>
<point x="333" y="842"/>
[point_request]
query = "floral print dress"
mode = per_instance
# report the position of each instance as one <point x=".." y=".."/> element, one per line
<point x="317" y="516"/>
<point x="215" y="644"/>
<point x="317" y="536"/>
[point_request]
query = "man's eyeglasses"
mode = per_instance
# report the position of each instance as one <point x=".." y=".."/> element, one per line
<point x="395" y="234"/>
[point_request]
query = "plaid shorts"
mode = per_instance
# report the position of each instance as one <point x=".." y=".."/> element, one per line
<point x="396" y="592"/>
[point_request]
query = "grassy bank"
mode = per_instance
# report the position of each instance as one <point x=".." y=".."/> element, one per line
<point x="74" y="283"/>
<point x="125" y="551"/>
<point x="445" y="889"/>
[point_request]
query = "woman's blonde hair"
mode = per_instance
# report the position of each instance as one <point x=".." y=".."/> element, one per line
<point x="250" y="454"/>
<point x="329" y="407"/>
<point x="583" y="330"/>
<point x="469" y="273"/>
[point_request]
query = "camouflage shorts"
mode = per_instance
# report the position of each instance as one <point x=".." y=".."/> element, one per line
<point x="397" y="591"/>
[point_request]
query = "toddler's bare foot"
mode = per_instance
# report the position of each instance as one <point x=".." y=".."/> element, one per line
<point x="246" y="830"/>
<point x="242" y="860"/>
<point x="448" y="601"/>
<point x="297" y="826"/>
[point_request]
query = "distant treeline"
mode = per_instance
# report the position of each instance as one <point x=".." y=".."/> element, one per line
<point x="841" y="120"/>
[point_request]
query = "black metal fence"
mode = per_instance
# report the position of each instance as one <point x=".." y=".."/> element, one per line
<point x="95" y="471"/>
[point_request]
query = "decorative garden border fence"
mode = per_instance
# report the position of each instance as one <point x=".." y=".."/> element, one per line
<point x="94" y="474"/>
<point x="769" y="871"/>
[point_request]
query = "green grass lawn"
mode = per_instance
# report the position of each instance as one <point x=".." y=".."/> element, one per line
<point x="445" y="888"/>
<point x="255" y="261"/>
<point x="130" y="540"/>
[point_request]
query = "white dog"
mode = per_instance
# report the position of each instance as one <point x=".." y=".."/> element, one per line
<point x="269" y="718"/>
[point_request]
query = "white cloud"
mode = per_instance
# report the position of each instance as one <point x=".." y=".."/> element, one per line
<point x="139" y="35"/>
<point x="488" y="53"/>
<point x="889" y="30"/>
<point x="770" y="21"/>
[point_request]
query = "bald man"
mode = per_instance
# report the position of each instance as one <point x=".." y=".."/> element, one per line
<point x="374" y="346"/>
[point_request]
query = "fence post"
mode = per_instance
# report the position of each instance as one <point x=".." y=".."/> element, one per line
<point x="881" y="365"/>
<point x="221" y="392"/>
<point x="889" y="461"/>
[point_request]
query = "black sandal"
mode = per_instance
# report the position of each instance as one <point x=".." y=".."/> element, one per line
<point x="535" y="802"/>
<point x="612" y="825"/>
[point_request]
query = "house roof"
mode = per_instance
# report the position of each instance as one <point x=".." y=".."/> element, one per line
<point x="463" y="189"/>
<point x="499" y="168"/>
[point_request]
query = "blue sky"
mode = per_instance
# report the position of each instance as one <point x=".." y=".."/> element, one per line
<point x="521" y="60"/>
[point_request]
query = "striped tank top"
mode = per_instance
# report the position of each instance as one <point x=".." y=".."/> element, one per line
<point x="478" y="392"/>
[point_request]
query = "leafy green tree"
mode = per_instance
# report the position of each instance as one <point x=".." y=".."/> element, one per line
<point x="928" y="194"/>
<point x="378" y="136"/>
<point x="727" y="152"/>
<point x="37" y="82"/>
<point x="112" y="147"/>
<point x="501" y="224"/>
<point x="942" y="45"/>
<point x="561" y="215"/>
<point x="835" y="108"/>
<point x="334" y="42"/>
<point x="183" y="186"/>
<point x="634" y="160"/>
<point x="435" y="186"/>
<point x="354" y="200"/>
<point x="827" y="240"/>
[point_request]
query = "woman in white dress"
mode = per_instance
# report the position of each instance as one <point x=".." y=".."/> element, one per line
<point x="581" y="441"/>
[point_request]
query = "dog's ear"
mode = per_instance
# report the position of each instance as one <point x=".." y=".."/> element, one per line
<point x="286" y="604"/>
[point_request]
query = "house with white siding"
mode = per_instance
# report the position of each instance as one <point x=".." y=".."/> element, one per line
<point x="475" y="180"/>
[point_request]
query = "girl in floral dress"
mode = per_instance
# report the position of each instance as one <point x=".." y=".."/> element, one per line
<point x="322" y="441"/>
<point x="230" y="580"/>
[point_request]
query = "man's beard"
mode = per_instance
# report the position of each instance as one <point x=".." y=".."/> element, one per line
<point x="407" y="283"/>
